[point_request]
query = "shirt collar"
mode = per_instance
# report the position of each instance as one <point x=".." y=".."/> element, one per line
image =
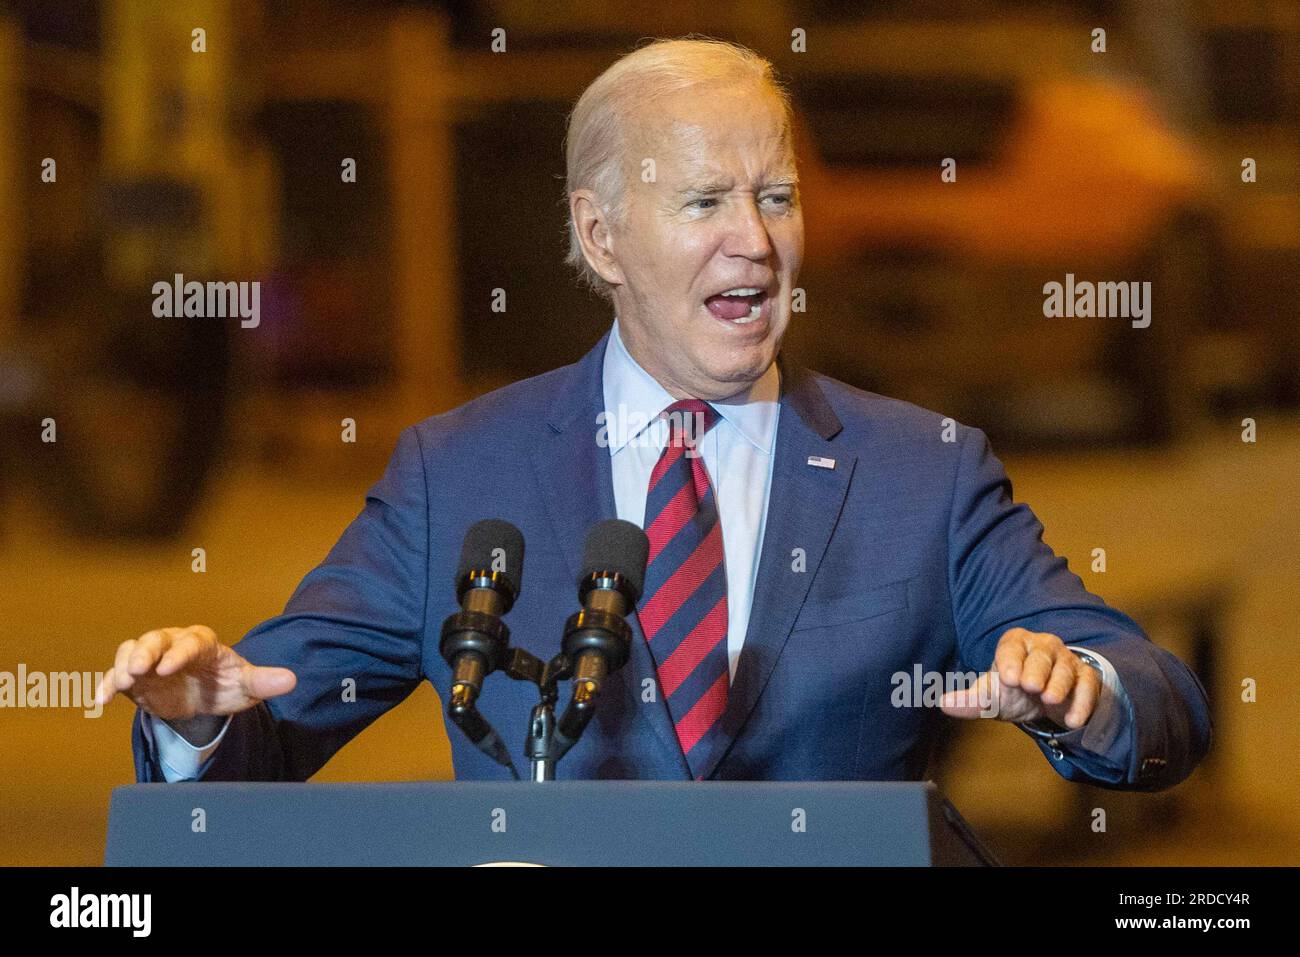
<point x="634" y="398"/>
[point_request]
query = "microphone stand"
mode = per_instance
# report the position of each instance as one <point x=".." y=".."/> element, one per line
<point x="597" y="641"/>
<point x="540" y="743"/>
<point x="545" y="743"/>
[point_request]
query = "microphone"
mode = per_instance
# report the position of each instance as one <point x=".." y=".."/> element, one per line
<point x="598" y="639"/>
<point x="475" y="639"/>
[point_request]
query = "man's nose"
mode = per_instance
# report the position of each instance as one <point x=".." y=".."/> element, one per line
<point x="747" y="235"/>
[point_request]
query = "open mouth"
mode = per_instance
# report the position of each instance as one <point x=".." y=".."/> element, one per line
<point x="740" y="306"/>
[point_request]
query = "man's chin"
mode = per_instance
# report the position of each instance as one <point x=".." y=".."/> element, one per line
<point x="728" y="379"/>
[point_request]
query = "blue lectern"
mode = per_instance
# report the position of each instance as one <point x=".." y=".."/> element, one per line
<point x="609" y="823"/>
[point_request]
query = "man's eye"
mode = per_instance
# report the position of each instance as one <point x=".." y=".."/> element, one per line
<point x="780" y="197"/>
<point x="701" y="201"/>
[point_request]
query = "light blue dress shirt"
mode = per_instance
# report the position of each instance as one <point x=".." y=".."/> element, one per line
<point x="738" y="454"/>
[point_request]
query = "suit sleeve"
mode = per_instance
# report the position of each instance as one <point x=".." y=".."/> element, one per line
<point x="1003" y="575"/>
<point x="352" y="632"/>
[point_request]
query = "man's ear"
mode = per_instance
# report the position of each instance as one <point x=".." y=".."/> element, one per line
<point x="594" y="229"/>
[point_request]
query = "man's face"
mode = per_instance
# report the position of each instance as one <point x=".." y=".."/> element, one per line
<point x="722" y="215"/>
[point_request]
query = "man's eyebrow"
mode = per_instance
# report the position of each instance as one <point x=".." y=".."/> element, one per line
<point x="709" y="188"/>
<point x="703" y="189"/>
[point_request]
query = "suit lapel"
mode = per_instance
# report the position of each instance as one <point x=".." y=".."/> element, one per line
<point x="572" y="470"/>
<point x="804" y="504"/>
<point x="576" y="480"/>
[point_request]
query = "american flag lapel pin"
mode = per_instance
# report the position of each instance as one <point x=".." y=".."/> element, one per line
<point x="818" y="462"/>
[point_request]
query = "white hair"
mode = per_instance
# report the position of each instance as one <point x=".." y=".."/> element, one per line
<point x="598" y="132"/>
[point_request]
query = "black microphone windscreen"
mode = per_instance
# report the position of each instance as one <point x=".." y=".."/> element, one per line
<point x="617" y="546"/>
<point x="493" y="545"/>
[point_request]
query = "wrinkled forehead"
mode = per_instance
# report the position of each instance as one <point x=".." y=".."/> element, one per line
<point x="714" y="129"/>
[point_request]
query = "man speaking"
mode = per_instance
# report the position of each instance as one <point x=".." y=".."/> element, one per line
<point x="809" y="542"/>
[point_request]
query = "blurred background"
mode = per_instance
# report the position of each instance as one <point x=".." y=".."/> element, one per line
<point x="377" y="305"/>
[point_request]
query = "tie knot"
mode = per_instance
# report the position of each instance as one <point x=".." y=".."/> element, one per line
<point x="688" y="421"/>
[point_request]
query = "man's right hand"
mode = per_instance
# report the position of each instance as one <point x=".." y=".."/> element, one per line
<point x="180" y="673"/>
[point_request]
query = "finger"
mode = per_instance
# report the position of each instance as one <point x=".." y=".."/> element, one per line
<point x="183" y="650"/>
<point x="122" y="677"/>
<point x="1009" y="658"/>
<point x="262" y="682"/>
<point x="1064" y="673"/>
<point x="979" y="700"/>
<point x="107" y="690"/>
<point x="1037" y="669"/>
<point x="149" y="648"/>
<point x="1087" y="692"/>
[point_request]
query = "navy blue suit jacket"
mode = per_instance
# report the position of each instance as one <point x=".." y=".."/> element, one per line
<point x="909" y="551"/>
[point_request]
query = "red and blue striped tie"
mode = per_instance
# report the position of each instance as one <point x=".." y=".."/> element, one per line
<point x="684" y="611"/>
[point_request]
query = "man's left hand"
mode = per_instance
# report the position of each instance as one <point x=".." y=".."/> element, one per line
<point x="1035" y="675"/>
